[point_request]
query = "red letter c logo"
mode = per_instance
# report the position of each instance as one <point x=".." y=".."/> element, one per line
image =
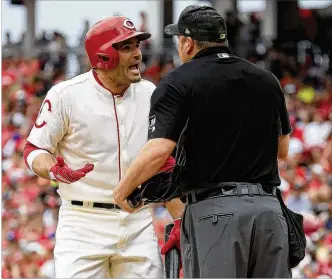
<point x="49" y="109"/>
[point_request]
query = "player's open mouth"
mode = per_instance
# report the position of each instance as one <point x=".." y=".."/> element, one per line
<point x="134" y="68"/>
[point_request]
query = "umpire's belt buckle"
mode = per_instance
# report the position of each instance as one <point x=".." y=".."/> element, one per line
<point x="243" y="188"/>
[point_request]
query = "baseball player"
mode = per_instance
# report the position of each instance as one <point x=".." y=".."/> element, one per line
<point x="88" y="131"/>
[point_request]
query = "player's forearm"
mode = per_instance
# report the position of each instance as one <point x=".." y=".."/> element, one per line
<point x="38" y="160"/>
<point x="175" y="208"/>
<point x="42" y="164"/>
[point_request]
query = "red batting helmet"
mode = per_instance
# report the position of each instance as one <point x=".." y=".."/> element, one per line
<point x="103" y="35"/>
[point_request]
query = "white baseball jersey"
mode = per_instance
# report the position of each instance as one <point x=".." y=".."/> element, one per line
<point x="83" y="122"/>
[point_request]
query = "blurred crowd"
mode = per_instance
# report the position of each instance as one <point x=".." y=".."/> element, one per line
<point x="307" y="172"/>
<point x="30" y="204"/>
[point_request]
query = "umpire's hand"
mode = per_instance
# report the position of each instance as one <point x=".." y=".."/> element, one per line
<point x="123" y="203"/>
<point x="148" y="189"/>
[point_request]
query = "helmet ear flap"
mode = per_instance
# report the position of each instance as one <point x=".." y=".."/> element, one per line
<point x="107" y="57"/>
<point x="102" y="57"/>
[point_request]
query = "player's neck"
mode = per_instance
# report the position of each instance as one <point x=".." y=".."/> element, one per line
<point x="116" y="90"/>
<point x="112" y="86"/>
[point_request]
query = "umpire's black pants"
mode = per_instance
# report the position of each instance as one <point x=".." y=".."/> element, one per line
<point x="235" y="237"/>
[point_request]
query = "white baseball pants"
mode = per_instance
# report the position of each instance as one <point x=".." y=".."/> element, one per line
<point x="102" y="243"/>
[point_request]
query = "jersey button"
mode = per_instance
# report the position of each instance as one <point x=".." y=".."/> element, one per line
<point x="121" y="244"/>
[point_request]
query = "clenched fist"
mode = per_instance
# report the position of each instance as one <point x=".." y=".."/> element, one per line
<point x="62" y="173"/>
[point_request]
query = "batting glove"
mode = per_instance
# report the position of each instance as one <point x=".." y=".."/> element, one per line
<point x="174" y="238"/>
<point x="62" y="173"/>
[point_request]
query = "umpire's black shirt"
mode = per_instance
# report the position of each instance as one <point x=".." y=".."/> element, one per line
<point x="233" y="112"/>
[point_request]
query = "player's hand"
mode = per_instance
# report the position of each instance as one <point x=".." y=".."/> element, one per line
<point x="62" y="173"/>
<point x="174" y="238"/>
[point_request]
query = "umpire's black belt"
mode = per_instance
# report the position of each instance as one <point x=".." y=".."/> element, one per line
<point x="230" y="189"/>
<point x="97" y="205"/>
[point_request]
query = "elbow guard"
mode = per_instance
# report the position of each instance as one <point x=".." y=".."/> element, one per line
<point x="30" y="153"/>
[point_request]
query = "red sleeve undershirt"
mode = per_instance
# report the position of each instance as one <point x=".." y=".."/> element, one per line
<point x="28" y="148"/>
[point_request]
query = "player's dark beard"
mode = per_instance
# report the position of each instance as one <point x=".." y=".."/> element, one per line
<point x="126" y="75"/>
<point x="118" y="83"/>
<point x="123" y="78"/>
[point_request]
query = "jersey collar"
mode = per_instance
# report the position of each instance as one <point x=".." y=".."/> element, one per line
<point x="212" y="50"/>
<point x="102" y="88"/>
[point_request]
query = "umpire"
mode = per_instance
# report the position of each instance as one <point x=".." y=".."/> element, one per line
<point x="234" y="121"/>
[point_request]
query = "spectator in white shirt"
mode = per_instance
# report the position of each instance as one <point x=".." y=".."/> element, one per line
<point x="317" y="131"/>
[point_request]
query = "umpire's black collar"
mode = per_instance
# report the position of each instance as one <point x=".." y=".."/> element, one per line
<point x="212" y="50"/>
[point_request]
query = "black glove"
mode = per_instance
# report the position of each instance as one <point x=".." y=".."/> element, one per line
<point x="158" y="189"/>
<point x="164" y="186"/>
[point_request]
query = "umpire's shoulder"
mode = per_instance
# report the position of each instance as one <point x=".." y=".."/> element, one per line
<point x="172" y="84"/>
<point x="262" y="75"/>
<point x="181" y="72"/>
<point x="175" y="77"/>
